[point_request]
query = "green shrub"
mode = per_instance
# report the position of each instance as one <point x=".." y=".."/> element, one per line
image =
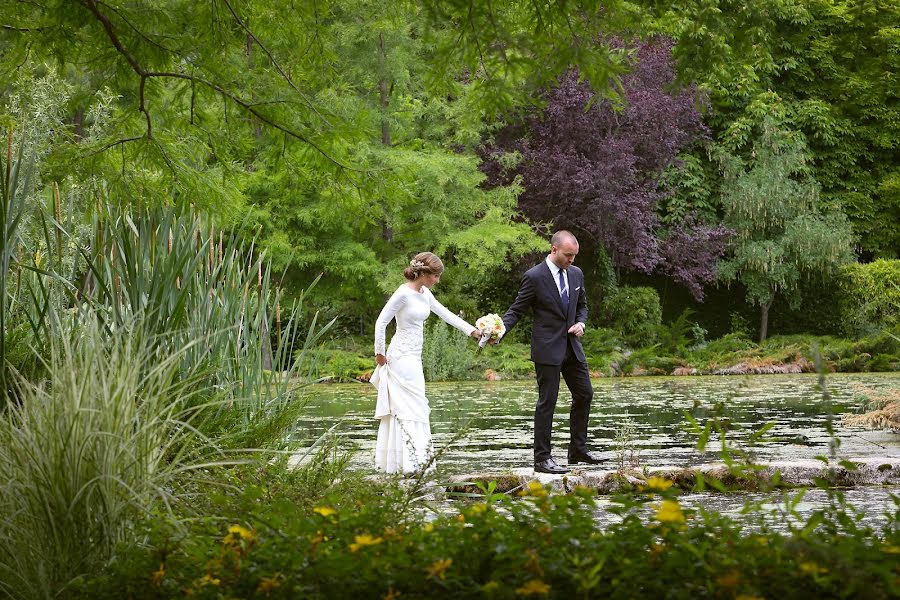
<point x="635" y="312"/>
<point x="85" y="454"/>
<point x="509" y="360"/>
<point x="337" y="364"/>
<point x="447" y="353"/>
<point x="870" y="297"/>
<point x="265" y="544"/>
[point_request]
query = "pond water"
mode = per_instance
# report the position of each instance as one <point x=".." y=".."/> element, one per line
<point x="871" y="503"/>
<point x="487" y="426"/>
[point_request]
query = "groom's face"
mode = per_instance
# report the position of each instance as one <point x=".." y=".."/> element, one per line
<point x="564" y="255"/>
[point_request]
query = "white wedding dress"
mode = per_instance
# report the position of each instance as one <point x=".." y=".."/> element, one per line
<point x="404" y="432"/>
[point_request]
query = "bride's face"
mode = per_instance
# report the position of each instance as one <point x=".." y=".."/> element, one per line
<point x="429" y="280"/>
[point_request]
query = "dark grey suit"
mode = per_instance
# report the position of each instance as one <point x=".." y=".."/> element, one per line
<point x="554" y="351"/>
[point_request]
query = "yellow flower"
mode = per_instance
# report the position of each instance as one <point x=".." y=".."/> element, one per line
<point x="361" y="541"/>
<point x="158" y="575"/>
<point x="429" y="527"/>
<point x="439" y="567"/>
<point x="811" y="568"/>
<point x="534" y="489"/>
<point x="478" y="508"/>
<point x="658" y="484"/>
<point x="533" y="587"/>
<point x="490" y="586"/>
<point x="461" y="518"/>
<point x="268" y="584"/>
<point x="392" y="594"/>
<point x="207" y="580"/>
<point x="325" y="511"/>
<point x="669" y="511"/>
<point x="891" y="549"/>
<point x="236" y="533"/>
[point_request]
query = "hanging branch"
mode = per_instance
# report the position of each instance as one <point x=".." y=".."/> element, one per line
<point x="275" y="64"/>
<point x="144" y="74"/>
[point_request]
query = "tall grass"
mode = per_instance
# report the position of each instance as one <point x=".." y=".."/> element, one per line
<point x="101" y="441"/>
<point x="185" y="283"/>
<point x="16" y="174"/>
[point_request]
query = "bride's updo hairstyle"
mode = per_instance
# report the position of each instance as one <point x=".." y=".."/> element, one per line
<point x="423" y="263"/>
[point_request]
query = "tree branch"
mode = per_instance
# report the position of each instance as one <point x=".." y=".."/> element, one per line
<point x="22" y="29"/>
<point x="275" y="62"/>
<point x="91" y="5"/>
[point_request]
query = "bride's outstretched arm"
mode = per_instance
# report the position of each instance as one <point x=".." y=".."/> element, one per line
<point x="444" y="313"/>
<point x="390" y="309"/>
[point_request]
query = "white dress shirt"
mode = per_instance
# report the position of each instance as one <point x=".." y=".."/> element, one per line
<point x="555" y="271"/>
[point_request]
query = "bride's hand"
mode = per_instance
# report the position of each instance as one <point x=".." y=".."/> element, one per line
<point x="476" y="334"/>
<point x="380" y="359"/>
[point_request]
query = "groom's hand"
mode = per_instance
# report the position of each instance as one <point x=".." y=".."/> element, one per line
<point x="380" y="359"/>
<point x="577" y="329"/>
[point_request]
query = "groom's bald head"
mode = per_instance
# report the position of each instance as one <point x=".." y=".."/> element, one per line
<point x="563" y="249"/>
<point x="562" y="236"/>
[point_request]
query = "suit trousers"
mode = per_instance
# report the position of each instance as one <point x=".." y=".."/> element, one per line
<point x="578" y="380"/>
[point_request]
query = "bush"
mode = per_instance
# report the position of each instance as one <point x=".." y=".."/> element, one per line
<point x="337" y="364"/>
<point x="870" y="297"/>
<point x="447" y="354"/>
<point x="635" y="312"/>
<point x="538" y="545"/>
<point x="509" y="360"/>
<point x="83" y="456"/>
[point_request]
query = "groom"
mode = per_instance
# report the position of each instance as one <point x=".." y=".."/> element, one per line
<point x="554" y="291"/>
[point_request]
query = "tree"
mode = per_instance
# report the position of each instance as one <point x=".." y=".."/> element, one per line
<point x="593" y="165"/>
<point x="831" y="66"/>
<point x="781" y="236"/>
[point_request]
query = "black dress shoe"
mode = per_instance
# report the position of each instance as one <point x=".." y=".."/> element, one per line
<point x="588" y="456"/>
<point x="549" y="466"/>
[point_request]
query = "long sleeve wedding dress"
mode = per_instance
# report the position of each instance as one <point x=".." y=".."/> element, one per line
<point x="404" y="432"/>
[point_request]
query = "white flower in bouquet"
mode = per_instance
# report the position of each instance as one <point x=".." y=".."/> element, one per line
<point x="491" y="327"/>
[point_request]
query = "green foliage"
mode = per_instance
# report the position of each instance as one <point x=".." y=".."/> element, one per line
<point x="346" y="359"/>
<point x="870" y="297"/>
<point x="87" y="452"/>
<point x="635" y="312"/>
<point x="768" y="56"/>
<point x="509" y="360"/>
<point x="268" y="543"/>
<point x="781" y="236"/>
<point x="677" y="335"/>
<point x="447" y="354"/>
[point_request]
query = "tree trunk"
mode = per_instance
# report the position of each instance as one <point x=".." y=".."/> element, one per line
<point x="764" y="320"/>
<point x="383" y="93"/>
<point x="387" y="233"/>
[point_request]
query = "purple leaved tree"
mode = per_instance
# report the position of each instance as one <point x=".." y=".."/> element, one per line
<point x="593" y="167"/>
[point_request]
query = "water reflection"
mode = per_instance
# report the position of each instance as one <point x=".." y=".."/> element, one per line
<point x="487" y="426"/>
<point x="869" y="505"/>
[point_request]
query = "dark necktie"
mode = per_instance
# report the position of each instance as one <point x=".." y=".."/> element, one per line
<point x="565" y="291"/>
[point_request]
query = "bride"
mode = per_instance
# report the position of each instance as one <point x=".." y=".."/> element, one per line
<point x="404" y="433"/>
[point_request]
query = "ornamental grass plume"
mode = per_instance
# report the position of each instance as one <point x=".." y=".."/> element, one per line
<point x="884" y="411"/>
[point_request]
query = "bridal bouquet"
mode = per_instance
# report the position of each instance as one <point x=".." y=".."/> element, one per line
<point x="491" y="327"/>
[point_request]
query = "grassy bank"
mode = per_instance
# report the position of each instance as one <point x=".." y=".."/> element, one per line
<point x="455" y="358"/>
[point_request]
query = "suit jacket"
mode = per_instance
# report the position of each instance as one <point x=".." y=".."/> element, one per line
<point x="539" y="293"/>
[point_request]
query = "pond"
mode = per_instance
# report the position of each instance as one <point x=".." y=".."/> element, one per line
<point x="487" y="426"/>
